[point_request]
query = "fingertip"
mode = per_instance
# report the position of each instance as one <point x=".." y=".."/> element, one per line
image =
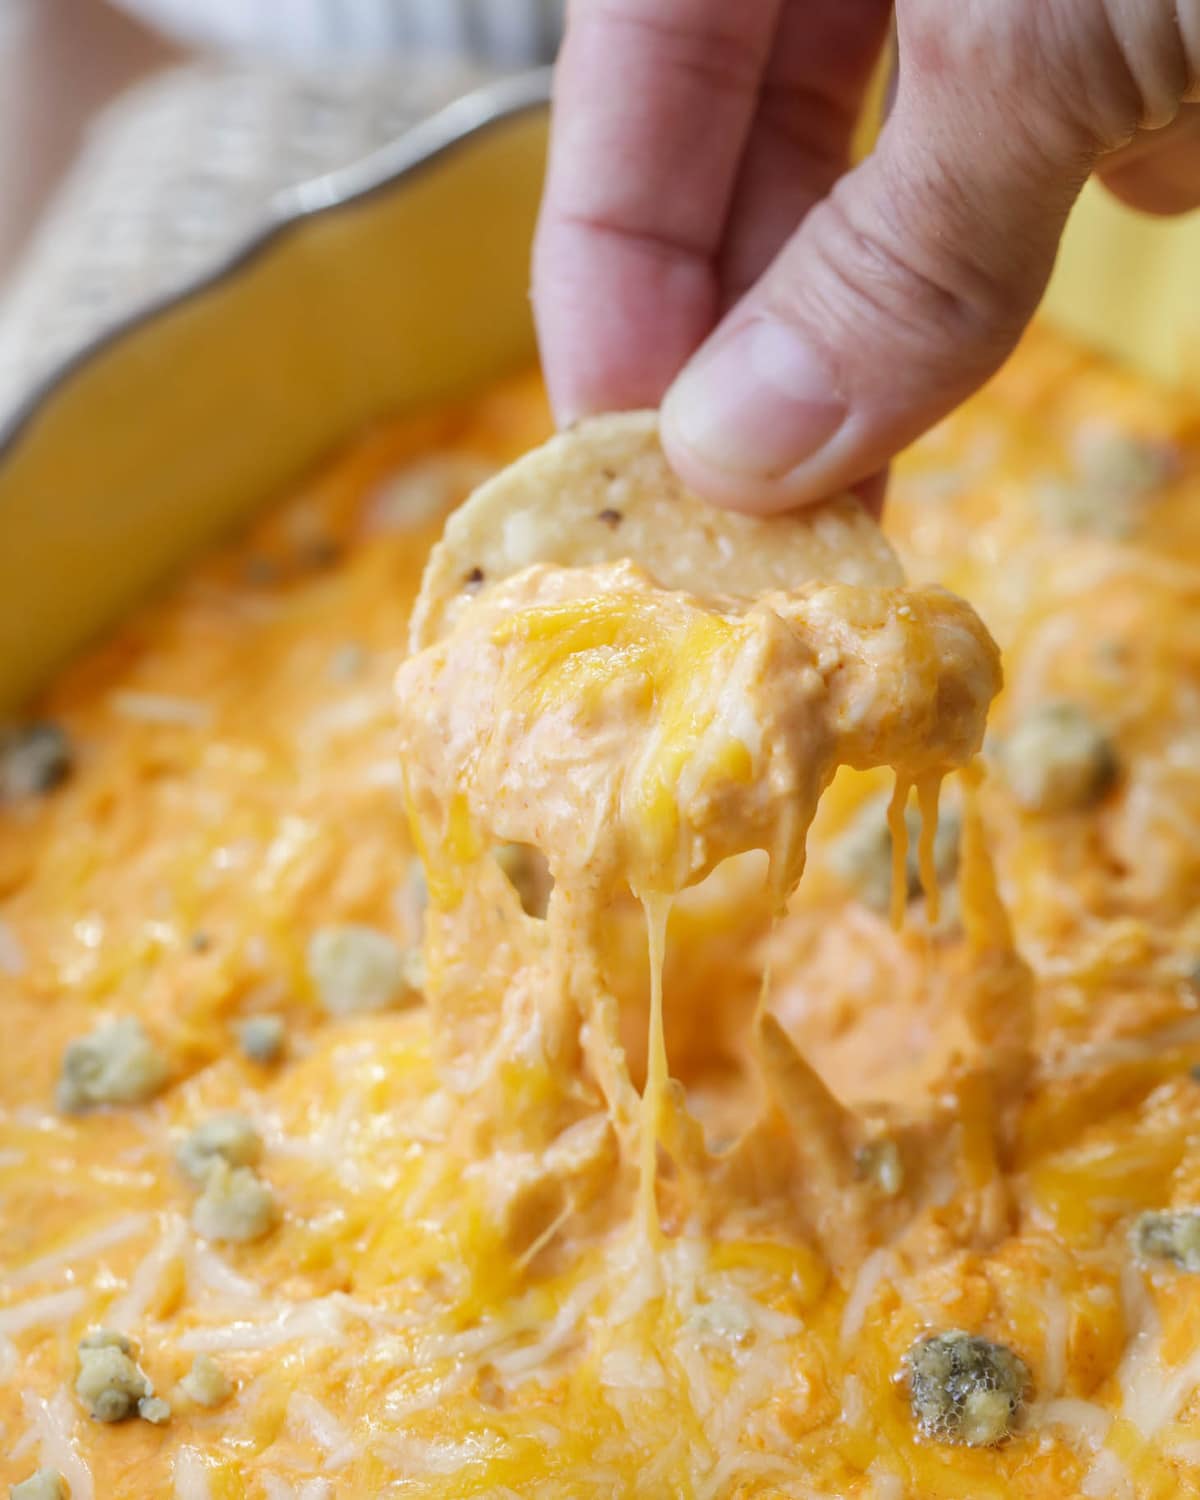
<point x="872" y="491"/>
<point x="570" y="402"/>
<point x="1159" y="171"/>
<point x="755" y="423"/>
<point x="808" y="484"/>
<point x="1153" y="189"/>
<point x="615" y="318"/>
<point x="753" y="404"/>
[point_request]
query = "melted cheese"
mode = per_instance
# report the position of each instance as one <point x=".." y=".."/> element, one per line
<point x="463" y="1299"/>
<point x="639" y="737"/>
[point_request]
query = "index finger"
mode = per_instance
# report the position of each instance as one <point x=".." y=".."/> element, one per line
<point x="653" y="104"/>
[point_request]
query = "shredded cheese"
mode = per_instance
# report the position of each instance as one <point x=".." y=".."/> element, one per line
<point x="127" y="1311"/>
<point x="12" y="955"/>
<point x="161" y="708"/>
<point x="311" y="1419"/>
<point x="54" y="1308"/>
<point x="875" y="1269"/>
<point x="192" y="1480"/>
<point x="73" y="1255"/>
<point x="54" y="1422"/>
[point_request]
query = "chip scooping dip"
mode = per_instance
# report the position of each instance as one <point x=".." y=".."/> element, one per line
<point x="603" y="493"/>
<point x="641" y="687"/>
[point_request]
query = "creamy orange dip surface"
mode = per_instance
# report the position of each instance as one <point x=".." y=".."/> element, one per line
<point x="378" y="1221"/>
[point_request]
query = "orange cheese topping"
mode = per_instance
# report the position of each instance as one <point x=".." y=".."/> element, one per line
<point x="447" y="1306"/>
<point x="638" y="737"/>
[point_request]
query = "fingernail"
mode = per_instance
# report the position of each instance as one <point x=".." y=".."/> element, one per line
<point x="757" y="402"/>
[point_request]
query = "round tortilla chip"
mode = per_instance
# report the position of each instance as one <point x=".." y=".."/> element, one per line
<point x="603" y="492"/>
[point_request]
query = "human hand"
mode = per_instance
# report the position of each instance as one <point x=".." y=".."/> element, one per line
<point x="704" y="243"/>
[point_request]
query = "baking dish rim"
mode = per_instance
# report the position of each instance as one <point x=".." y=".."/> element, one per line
<point x="419" y="148"/>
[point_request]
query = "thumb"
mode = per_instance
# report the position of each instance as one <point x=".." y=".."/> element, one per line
<point x="899" y="295"/>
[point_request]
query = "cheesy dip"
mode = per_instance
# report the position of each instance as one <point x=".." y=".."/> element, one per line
<point x="338" y="1153"/>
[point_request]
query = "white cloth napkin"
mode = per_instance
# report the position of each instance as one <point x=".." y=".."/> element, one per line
<point x="180" y="172"/>
<point x="510" y="33"/>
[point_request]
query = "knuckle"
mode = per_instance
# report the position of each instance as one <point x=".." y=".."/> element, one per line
<point x="1088" y="71"/>
<point x="717" y="53"/>
<point x="816" y="124"/>
<point x="1152" y="45"/>
<point x="1117" y="66"/>
<point x="936" y="302"/>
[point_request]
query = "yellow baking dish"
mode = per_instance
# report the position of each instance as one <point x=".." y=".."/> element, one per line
<point x="390" y="284"/>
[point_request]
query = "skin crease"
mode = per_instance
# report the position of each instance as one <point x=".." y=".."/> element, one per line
<point x="703" y="242"/>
